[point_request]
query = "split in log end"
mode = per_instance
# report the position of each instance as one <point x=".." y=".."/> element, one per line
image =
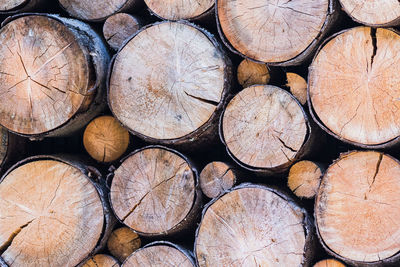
<point x="216" y="178"/>
<point x="304" y="178"/>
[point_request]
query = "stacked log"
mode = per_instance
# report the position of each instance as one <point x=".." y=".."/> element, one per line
<point x="250" y="73"/>
<point x="17" y="6"/>
<point x="181" y="10"/>
<point x="101" y="260"/>
<point x="123" y="242"/>
<point x="304" y="178"/>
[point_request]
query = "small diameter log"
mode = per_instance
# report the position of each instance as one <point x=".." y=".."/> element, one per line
<point x="119" y="27"/>
<point x="377" y="13"/>
<point x="216" y="178"/>
<point x="265" y="129"/>
<point x="250" y="73"/>
<point x="52" y="72"/>
<point x="101" y="260"/>
<point x="181" y="10"/>
<point x="357" y="209"/>
<point x="297" y="86"/>
<point x="168" y="84"/>
<point x="358" y="103"/>
<point x="105" y="139"/>
<point x="97" y="10"/>
<point x="123" y="242"/>
<point x="304" y="178"/>
<point x="160" y="254"/>
<point x="254" y="226"/>
<point x="281" y="33"/>
<point x="155" y="192"/>
<point x="329" y="263"/>
<point x="18" y="6"/>
<point x="52" y="214"/>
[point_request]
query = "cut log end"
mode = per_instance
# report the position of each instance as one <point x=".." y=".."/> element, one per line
<point x="119" y="27"/>
<point x="304" y="179"/>
<point x="251" y="73"/>
<point x="101" y="260"/>
<point x="216" y="178"/>
<point x="179" y="10"/>
<point x="297" y="86"/>
<point x="123" y="242"/>
<point x="9" y="5"/>
<point x="105" y="139"/>
<point x="357" y="207"/>
<point x="329" y="263"/>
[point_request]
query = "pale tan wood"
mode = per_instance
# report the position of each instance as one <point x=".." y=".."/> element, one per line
<point x="354" y="84"/>
<point x="251" y="73"/>
<point x="101" y="260"/>
<point x="216" y="178"/>
<point x="6" y="5"/>
<point x="167" y="81"/>
<point x="329" y="263"/>
<point x="297" y="86"/>
<point x="123" y="242"/>
<point x="357" y="207"/>
<point x="177" y="9"/>
<point x="304" y="178"/>
<point x="51" y="215"/>
<point x="153" y="191"/>
<point x="264" y="127"/>
<point x="118" y="28"/>
<point x="105" y="139"/>
<point x="374" y="13"/>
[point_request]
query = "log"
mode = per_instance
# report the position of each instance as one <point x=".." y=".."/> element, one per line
<point x="168" y="84"/>
<point x="52" y="72"/>
<point x="379" y="13"/>
<point x="160" y="253"/>
<point x="12" y="147"/>
<point x="357" y="209"/>
<point x="101" y="260"/>
<point x="52" y="213"/>
<point x="250" y="73"/>
<point x="265" y="129"/>
<point x="304" y="178"/>
<point x="254" y="225"/>
<point x="98" y="10"/>
<point x="105" y="139"/>
<point x="282" y="33"/>
<point x="119" y="27"/>
<point x="181" y="10"/>
<point x="123" y="242"/>
<point x="297" y="86"/>
<point x="358" y="104"/>
<point x="8" y="7"/>
<point x="216" y="178"/>
<point x="155" y="192"/>
<point x="329" y="263"/>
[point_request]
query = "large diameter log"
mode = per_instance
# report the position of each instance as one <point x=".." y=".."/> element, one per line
<point x="276" y="32"/>
<point x="52" y="213"/>
<point x="52" y="72"/>
<point x="179" y="10"/>
<point x="101" y="260"/>
<point x="354" y="86"/>
<point x="357" y="209"/>
<point x="254" y="226"/>
<point x="304" y="178"/>
<point x="155" y="192"/>
<point x="168" y="84"/>
<point x="265" y="129"/>
<point x="17" y="6"/>
<point x="216" y="178"/>
<point x="123" y="242"/>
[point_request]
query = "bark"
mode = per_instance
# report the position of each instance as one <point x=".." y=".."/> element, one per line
<point x="12" y="147"/>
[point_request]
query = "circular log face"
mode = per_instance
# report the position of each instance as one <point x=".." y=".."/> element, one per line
<point x="250" y="73"/>
<point x="216" y="178"/>
<point x="354" y="85"/>
<point x="357" y="207"/>
<point x="372" y="12"/>
<point x="167" y="81"/>
<point x="6" y="5"/>
<point x="272" y="30"/>
<point x="251" y="227"/>
<point x="178" y="9"/>
<point x="43" y="75"/>
<point x="51" y="215"/>
<point x="153" y="190"/>
<point x="264" y="126"/>
<point x="118" y="28"/>
<point x="304" y="178"/>
<point x="101" y="260"/>
<point x="123" y="242"/>
<point x="329" y="263"/>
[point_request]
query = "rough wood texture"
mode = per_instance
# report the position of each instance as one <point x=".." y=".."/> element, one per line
<point x="265" y="129"/>
<point x="254" y="226"/>
<point x="357" y="209"/>
<point x="17" y="6"/>
<point x="179" y="10"/>
<point x="97" y="10"/>
<point x="51" y="75"/>
<point x="105" y="139"/>
<point x="377" y="13"/>
<point x="276" y="32"/>
<point x="155" y="192"/>
<point x="160" y="254"/>
<point x="216" y="178"/>
<point x="101" y="260"/>
<point x="251" y="73"/>
<point x="168" y="84"/>
<point x="329" y="263"/>
<point x="123" y="242"/>
<point x="119" y="27"/>
<point x="304" y="178"/>
<point x="12" y="149"/>
<point x="297" y="86"/>
<point x="354" y="84"/>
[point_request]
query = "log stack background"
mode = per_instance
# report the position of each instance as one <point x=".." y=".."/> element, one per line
<point x="199" y="133"/>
